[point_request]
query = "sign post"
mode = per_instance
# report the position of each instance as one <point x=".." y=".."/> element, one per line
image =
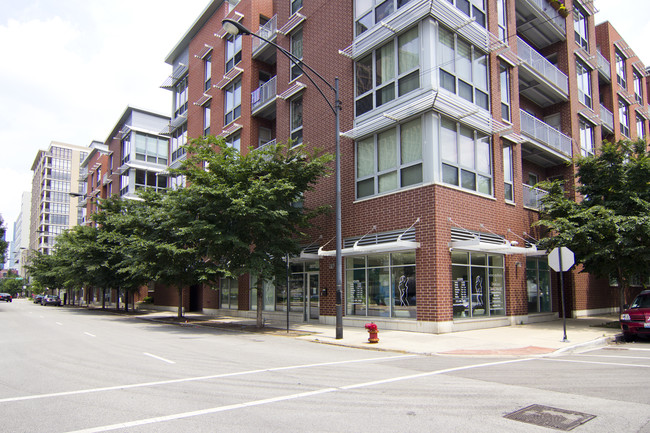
<point x="560" y="260"/>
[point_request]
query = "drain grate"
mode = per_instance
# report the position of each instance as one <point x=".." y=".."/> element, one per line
<point x="546" y="416"/>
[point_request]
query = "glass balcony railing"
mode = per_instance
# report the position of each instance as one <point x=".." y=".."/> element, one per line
<point x="607" y="117"/>
<point x="542" y="66"/>
<point x="267" y="31"/>
<point x="532" y="196"/>
<point x="263" y="94"/>
<point x="603" y="67"/>
<point x="546" y="134"/>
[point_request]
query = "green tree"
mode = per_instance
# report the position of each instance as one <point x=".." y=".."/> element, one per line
<point x="44" y="269"/>
<point x="3" y="243"/>
<point x="609" y="229"/>
<point x="254" y="203"/>
<point x="11" y="284"/>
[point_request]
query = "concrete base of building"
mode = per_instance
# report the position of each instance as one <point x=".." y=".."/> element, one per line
<point x="594" y="312"/>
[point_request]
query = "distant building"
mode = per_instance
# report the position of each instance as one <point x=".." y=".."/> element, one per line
<point x="55" y="186"/>
<point x="20" y="244"/>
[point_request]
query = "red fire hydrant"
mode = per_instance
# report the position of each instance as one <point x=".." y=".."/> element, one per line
<point x="372" y="332"/>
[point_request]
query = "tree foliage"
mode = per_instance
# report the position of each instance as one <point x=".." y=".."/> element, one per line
<point x="609" y="229"/>
<point x="254" y="203"/>
<point x="3" y="242"/>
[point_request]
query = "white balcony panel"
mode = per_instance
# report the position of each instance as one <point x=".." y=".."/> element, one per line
<point x="541" y="81"/>
<point x="604" y="68"/>
<point x="546" y="146"/>
<point x="263" y="99"/>
<point x="262" y="50"/>
<point x="607" y="117"/>
<point x="532" y="197"/>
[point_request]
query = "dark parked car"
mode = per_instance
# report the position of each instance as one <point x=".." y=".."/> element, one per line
<point x="51" y="300"/>
<point x="635" y="320"/>
<point x="37" y="299"/>
<point x="5" y="297"/>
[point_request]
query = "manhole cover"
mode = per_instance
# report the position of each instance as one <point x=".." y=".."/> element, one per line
<point x="552" y="417"/>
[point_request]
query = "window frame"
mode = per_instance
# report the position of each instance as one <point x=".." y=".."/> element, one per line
<point x="181" y="93"/>
<point x="206" y="119"/>
<point x="464" y="171"/>
<point x="449" y="70"/>
<point x="296" y="5"/>
<point x="233" y="51"/>
<point x="393" y="87"/>
<point x="472" y="9"/>
<point x="508" y="173"/>
<point x="587" y="147"/>
<point x="580" y="27"/>
<point x="376" y="10"/>
<point x="624" y="114"/>
<point x="400" y="168"/>
<point x="231" y="93"/>
<point x="296" y="66"/>
<point x="504" y="81"/>
<point x="296" y="130"/>
<point x="583" y="74"/>
<point x="638" y="86"/>
<point x="207" y="72"/>
<point x="640" y="127"/>
<point x="621" y="72"/>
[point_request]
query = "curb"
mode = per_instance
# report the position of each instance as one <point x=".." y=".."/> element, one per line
<point x="602" y="341"/>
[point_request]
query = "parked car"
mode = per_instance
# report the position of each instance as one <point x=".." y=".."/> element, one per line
<point x="635" y="320"/>
<point x="5" y="297"/>
<point x="51" y="300"/>
<point x="37" y="299"/>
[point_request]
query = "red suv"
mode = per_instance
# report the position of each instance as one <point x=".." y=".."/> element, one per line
<point x="635" y="320"/>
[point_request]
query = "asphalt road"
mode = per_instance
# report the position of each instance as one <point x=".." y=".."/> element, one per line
<point x="71" y="370"/>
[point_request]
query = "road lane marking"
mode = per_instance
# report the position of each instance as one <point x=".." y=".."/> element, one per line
<point x="595" y="362"/>
<point x="159" y="358"/>
<point x="59" y="323"/>
<point x="271" y="400"/>
<point x="616" y="356"/>
<point x="199" y="378"/>
<point x="89" y="334"/>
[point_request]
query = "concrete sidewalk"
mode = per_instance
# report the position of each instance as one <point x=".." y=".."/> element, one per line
<point x="518" y="340"/>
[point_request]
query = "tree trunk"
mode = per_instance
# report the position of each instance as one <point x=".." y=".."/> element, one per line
<point x="103" y="298"/>
<point x="126" y="301"/>
<point x="260" y="302"/>
<point x="622" y="289"/>
<point x="180" y="302"/>
<point x="117" y="300"/>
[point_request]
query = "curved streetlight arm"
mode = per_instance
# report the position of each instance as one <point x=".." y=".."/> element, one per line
<point x="234" y="28"/>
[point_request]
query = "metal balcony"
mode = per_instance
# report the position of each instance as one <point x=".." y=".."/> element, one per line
<point x="539" y="22"/>
<point x="604" y="68"/>
<point x="532" y="196"/>
<point x="262" y="50"/>
<point x="540" y="80"/>
<point x="263" y="100"/>
<point x="544" y="145"/>
<point x="608" y="119"/>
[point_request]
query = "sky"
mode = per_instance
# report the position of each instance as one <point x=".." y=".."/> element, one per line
<point x="69" y="68"/>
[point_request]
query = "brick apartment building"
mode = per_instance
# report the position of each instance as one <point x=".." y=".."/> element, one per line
<point x="135" y="155"/>
<point x="452" y="111"/>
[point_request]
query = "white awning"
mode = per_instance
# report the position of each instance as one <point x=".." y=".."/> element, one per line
<point x="386" y="247"/>
<point x="487" y="247"/>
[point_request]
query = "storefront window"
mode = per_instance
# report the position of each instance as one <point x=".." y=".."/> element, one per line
<point x="381" y="285"/>
<point x="478" y="284"/>
<point x="228" y="293"/>
<point x="268" y="295"/>
<point x="538" y="283"/>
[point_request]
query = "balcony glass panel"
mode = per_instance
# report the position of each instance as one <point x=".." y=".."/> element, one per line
<point x="542" y="66"/>
<point x="545" y="134"/>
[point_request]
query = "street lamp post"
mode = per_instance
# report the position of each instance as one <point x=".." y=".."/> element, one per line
<point x="235" y="28"/>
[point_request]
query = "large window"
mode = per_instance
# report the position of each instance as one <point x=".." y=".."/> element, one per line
<point x="502" y="20"/>
<point x="584" y="83"/>
<point x="508" y="174"/>
<point x="586" y="139"/>
<point x="369" y="12"/>
<point x="126" y="149"/>
<point x="207" y="72"/>
<point x="472" y="8"/>
<point x="296" y="121"/>
<point x="151" y="148"/>
<point x="206" y="119"/>
<point x="150" y="180"/>
<point x="477" y="284"/>
<point x="638" y="87"/>
<point x="180" y="97"/>
<point x="463" y="68"/>
<point x="228" y="294"/>
<point x="580" y="27"/>
<point x="620" y="69"/>
<point x="233" y="102"/>
<point x="538" y="283"/>
<point x="296" y="5"/>
<point x="381" y="285"/>
<point x="640" y="127"/>
<point x="178" y="140"/>
<point x="234" y="141"/>
<point x="296" y="50"/>
<point x="390" y="71"/>
<point x="233" y="51"/>
<point x="390" y="160"/>
<point x="466" y="157"/>
<point x="504" y="78"/>
<point x="624" y="117"/>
